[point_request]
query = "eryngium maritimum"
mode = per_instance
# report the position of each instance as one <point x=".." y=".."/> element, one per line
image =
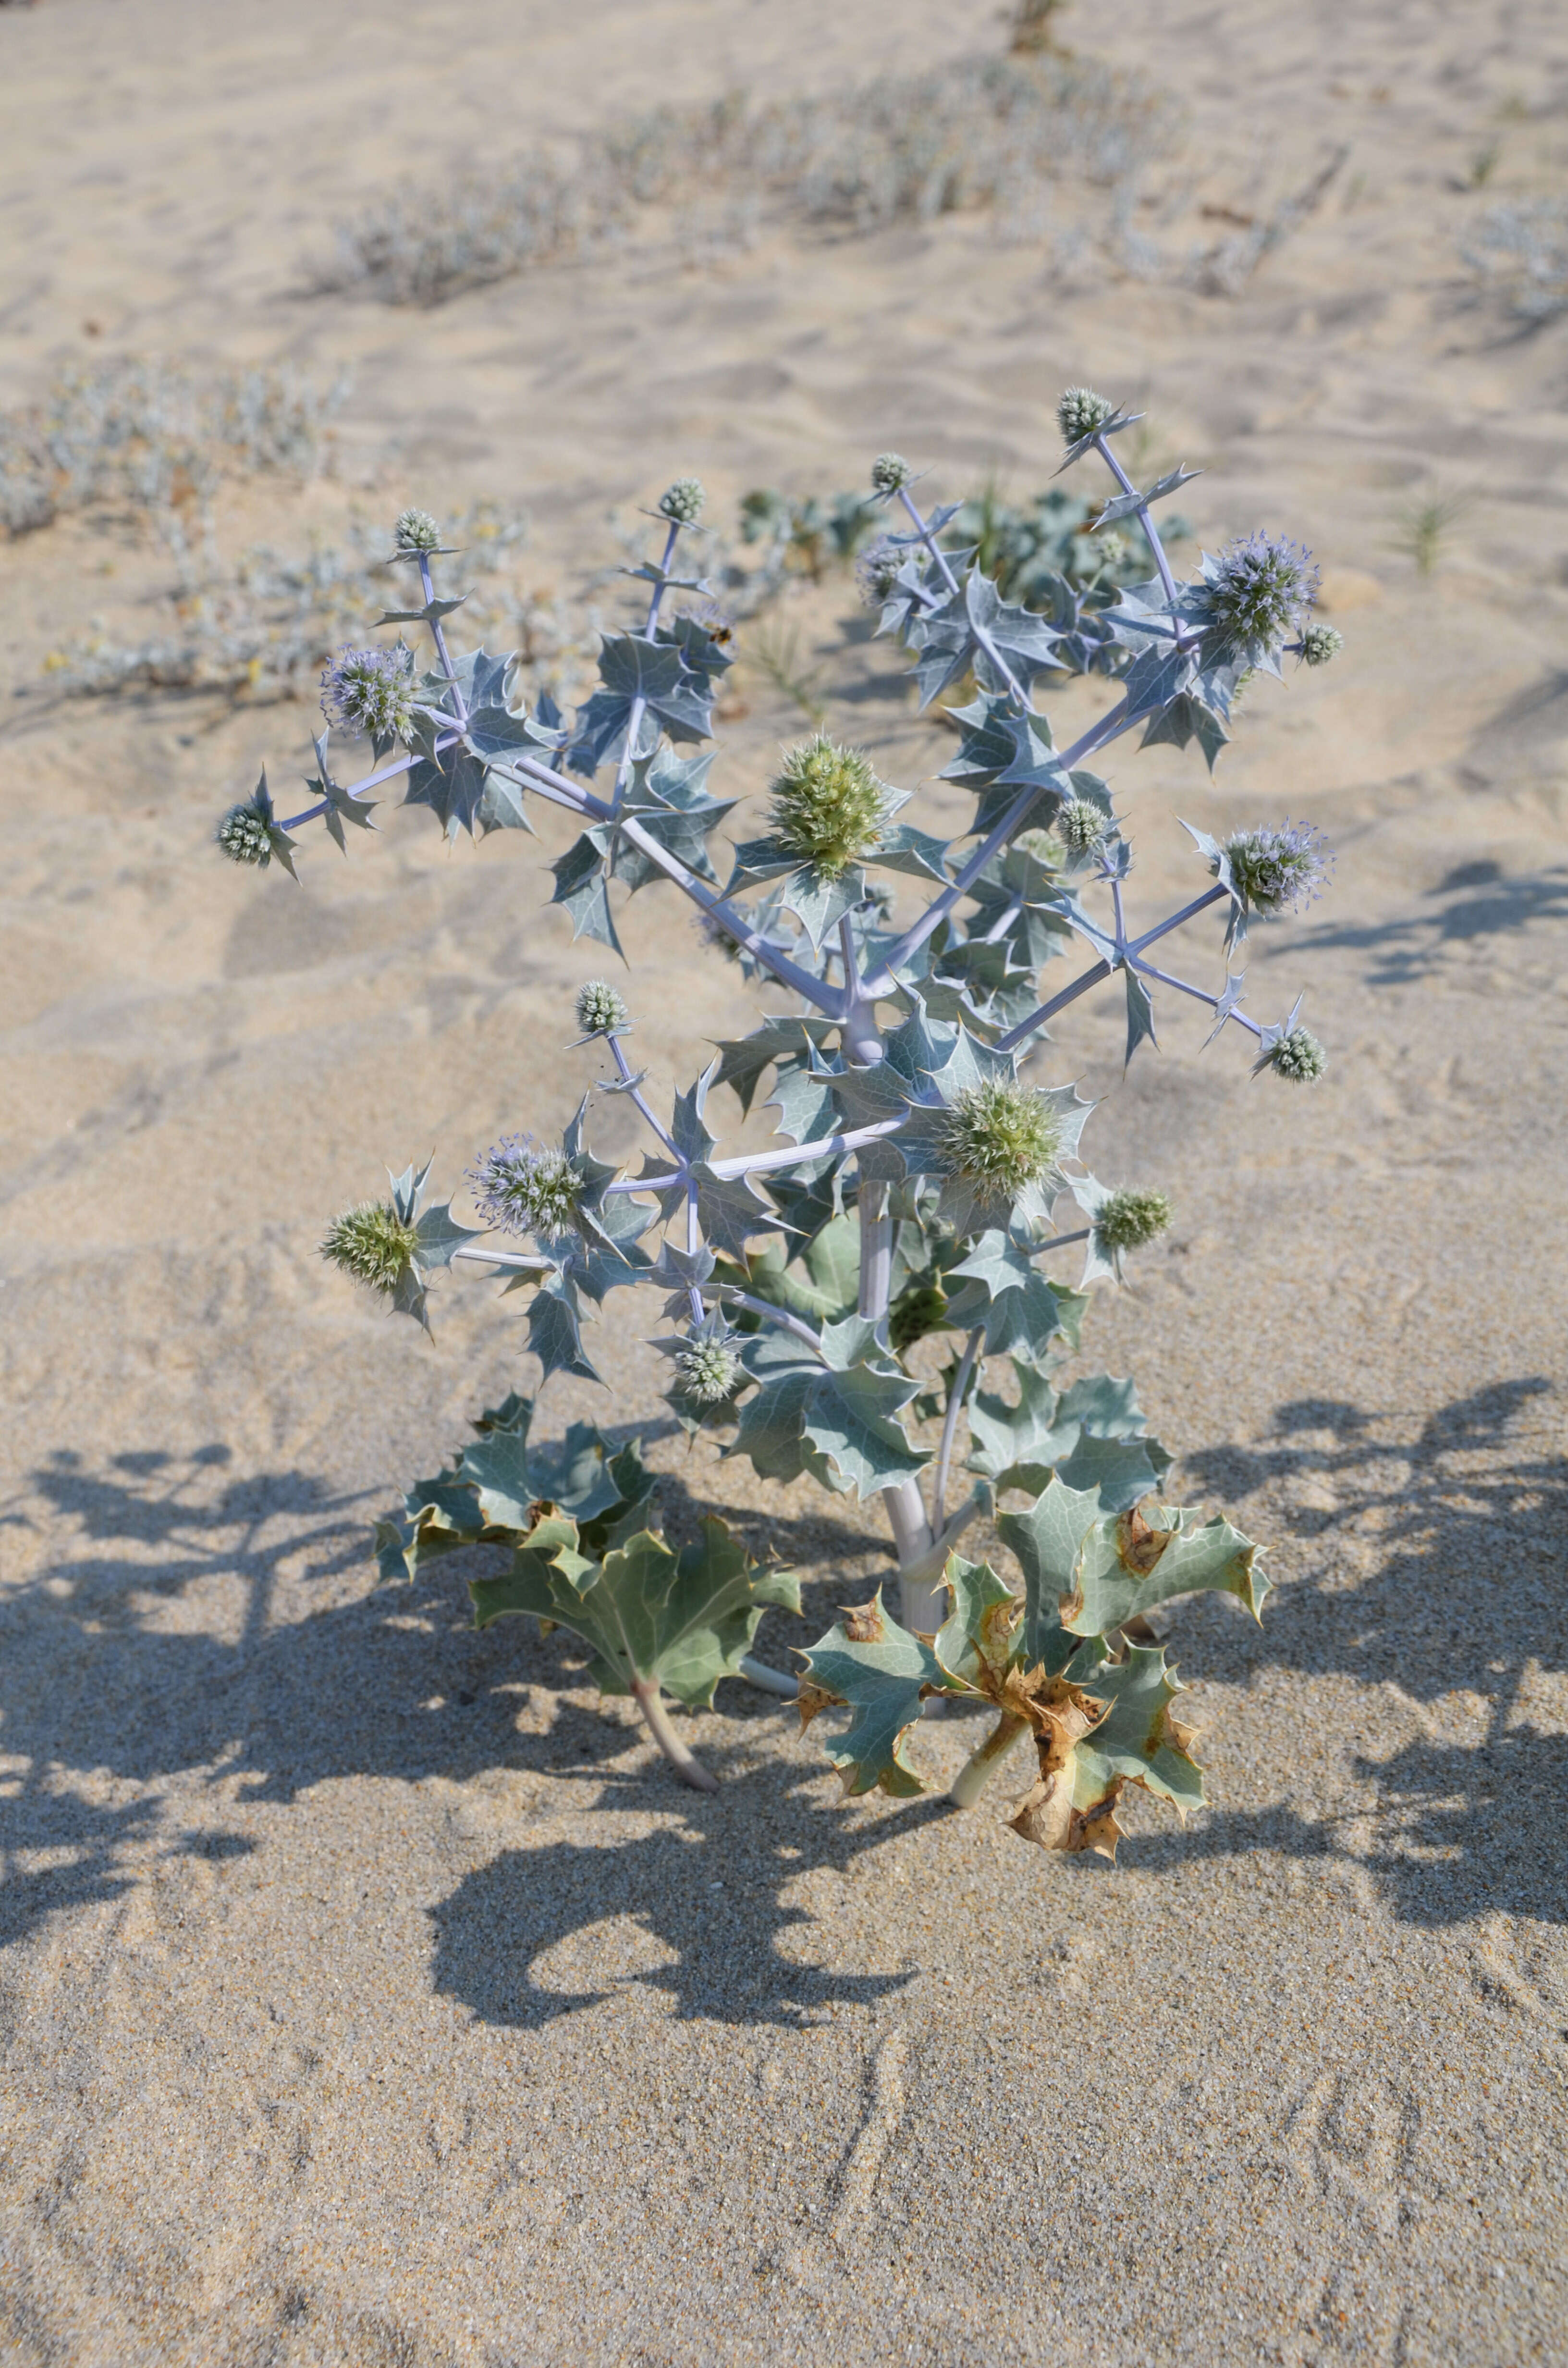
<point x="601" y="1009"/>
<point x="1079" y="411"/>
<point x="707" y="1372"/>
<point x="1278" y="871"/>
<point x="890" y="472"/>
<point x="1297" y="1056"/>
<point x="1001" y="1135"/>
<point x="1129" y="1219"/>
<point x="1319" y="645"/>
<point x="371" y="692"/>
<point x="373" y="1244"/>
<point x="243" y="835"/>
<point x="682" y="502"/>
<point x="523" y="1187"/>
<point x="415" y="531"/>
<point x="1260" y="589"/>
<point x="828" y="806"/>
<point x="877" y="568"/>
<point x="1080" y="826"/>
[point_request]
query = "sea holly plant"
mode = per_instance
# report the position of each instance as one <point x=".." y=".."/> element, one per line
<point x="927" y="1182"/>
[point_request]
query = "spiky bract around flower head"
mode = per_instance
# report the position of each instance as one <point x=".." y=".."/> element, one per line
<point x="1297" y="1056"/>
<point x="373" y="1244"/>
<point x="1260" y="589"/>
<point x="371" y="692"/>
<point x="1002" y="1136"/>
<point x="707" y="1372"/>
<point x="1080" y="826"/>
<point x="1276" y="870"/>
<point x="682" y="503"/>
<point x="1129" y="1219"/>
<point x="416" y="532"/>
<point x="1320" y="643"/>
<point x="876" y="570"/>
<point x="1079" y="411"/>
<point x="828" y="805"/>
<point x="524" y="1187"/>
<point x="889" y="474"/>
<point x="243" y="835"/>
<point x="601" y="1008"/>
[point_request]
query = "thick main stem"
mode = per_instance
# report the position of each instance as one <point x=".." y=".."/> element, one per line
<point x="978" y="1768"/>
<point x="691" y="1769"/>
<point x="906" y="1512"/>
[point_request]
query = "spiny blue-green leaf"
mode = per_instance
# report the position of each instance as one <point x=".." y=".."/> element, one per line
<point x="1140" y="1015"/>
<point x="582" y="887"/>
<point x="1136" y="1742"/>
<point x="1047" y="1539"/>
<point x="975" y="1644"/>
<point x="651" y="1616"/>
<point x="1143" y="1557"/>
<point x="882" y="1674"/>
<point x="555" y="1332"/>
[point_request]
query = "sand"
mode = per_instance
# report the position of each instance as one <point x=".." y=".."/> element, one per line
<point x="369" y="1995"/>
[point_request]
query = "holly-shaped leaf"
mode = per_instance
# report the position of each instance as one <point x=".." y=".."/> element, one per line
<point x="649" y="1615"/>
<point x="884" y="1675"/>
<point x="1150" y="1553"/>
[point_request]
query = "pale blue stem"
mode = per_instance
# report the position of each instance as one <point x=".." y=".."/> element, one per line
<point x="1199" y="994"/>
<point x="1012" y="821"/>
<point x="949" y="1427"/>
<point x="734" y="1297"/>
<point x="439" y="638"/>
<point x="951" y="580"/>
<point x="1144" y="520"/>
<point x="639" y="705"/>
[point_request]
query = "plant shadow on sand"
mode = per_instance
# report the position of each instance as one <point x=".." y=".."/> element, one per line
<point x="1471" y="902"/>
<point x="1465" y="1535"/>
<point x="1458" y="1533"/>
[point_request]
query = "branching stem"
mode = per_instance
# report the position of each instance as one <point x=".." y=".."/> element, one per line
<point x="981" y="1765"/>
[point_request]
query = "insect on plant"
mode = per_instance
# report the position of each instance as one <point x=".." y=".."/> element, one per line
<point x="917" y="1190"/>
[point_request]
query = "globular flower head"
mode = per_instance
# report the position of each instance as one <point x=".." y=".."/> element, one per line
<point x="1001" y="1136"/>
<point x="523" y="1187"/>
<point x="243" y="834"/>
<point x="1260" y="589"/>
<point x="682" y="503"/>
<point x="601" y="1008"/>
<point x="373" y="1244"/>
<point x="707" y="1370"/>
<point x="1129" y="1219"/>
<point x="1097" y="551"/>
<point x="1297" y="1056"/>
<point x="1276" y="871"/>
<point x="1080" y="826"/>
<point x="371" y="692"/>
<point x="828" y="805"/>
<point x="1320" y="643"/>
<point x="890" y="472"/>
<point x="1079" y="411"/>
<point x="876" y="570"/>
<point x="415" y="531"/>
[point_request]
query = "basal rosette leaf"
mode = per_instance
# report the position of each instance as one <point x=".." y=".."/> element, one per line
<point x="1150" y="1553"/>
<point x="649" y="1615"/>
<point x="1137" y="1741"/>
<point x="882" y="1674"/>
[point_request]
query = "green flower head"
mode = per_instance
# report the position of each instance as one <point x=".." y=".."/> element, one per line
<point x="1320" y="643"/>
<point x="243" y="835"/>
<point x="1002" y="1136"/>
<point x="828" y="806"/>
<point x="682" y="503"/>
<point x="707" y="1372"/>
<point x="601" y="1009"/>
<point x="1129" y="1219"/>
<point x="1080" y="826"/>
<point x="1297" y="1056"/>
<point x="889" y="474"/>
<point x="416" y="532"/>
<point x="373" y="1244"/>
<point x="1079" y="411"/>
